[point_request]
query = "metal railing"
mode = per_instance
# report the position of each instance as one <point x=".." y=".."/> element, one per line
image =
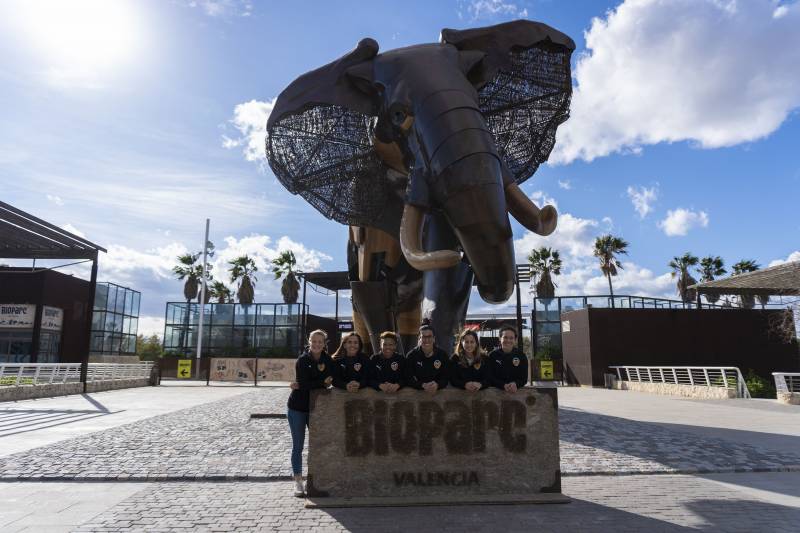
<point x="17" y="374"/>
<point x="703" y="376"/>
<point x="787" y="381"/>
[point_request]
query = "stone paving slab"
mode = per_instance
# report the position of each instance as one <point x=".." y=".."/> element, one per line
<point x="219" y="441"/>
<point x="674" y="503"/>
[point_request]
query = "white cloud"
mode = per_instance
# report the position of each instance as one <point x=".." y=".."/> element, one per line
<point x="484" y="9"/>
<point x="678" y="222"/>
<point x="541" y="198"/>
<point x="643" y="199"/>
<point x="224" y="8"/>
<point x="565" y="184"/>
<point x="250" y="118"/>
<point x="794" y="256"/>
<point x="55" y="199"/>
<point x="151" y="325"/>
<point x="712" y="72"/>
<point x="72" y="229"/>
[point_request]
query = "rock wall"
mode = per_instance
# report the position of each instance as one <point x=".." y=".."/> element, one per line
<point x="449" y="446"/>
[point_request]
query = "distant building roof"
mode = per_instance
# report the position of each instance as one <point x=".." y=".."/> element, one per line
<point x="23" y="236"/>
<point x="778" y="280"/>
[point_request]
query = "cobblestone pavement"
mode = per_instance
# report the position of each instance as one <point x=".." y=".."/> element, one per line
<point x="600" y="503"/>
<point x="219" y="441"/>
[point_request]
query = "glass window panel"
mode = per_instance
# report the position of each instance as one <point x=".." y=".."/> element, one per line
<point x="120" y="305"/>
<point x="547" y="309"/>
<point x="245" y="315"/>
<point x="571" y="304"/>
<point x="129" y="344"/>
<point x="128" y="301"/>
<point x="117" y="325"/>
<point x="266" y="315"/>
<point x="134" y="326"/>
<point x="223" y="314"/>
<point x="243" y="338"/>
<point x="221" y="337"/>
<point x="97" y="342"/>
<point x="112" y="297"/>
<point x="264" y="337"/>
<point x="98" y="320"/>
<point x="135" y="306"/>
<point x="100" y="296"/>
<point x="126" y="325"/>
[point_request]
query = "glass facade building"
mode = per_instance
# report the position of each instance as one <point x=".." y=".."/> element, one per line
<point x="265" y="329"/>
<point x="115" y="320"/>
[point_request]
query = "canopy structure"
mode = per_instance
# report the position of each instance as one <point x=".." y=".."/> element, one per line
<point x="24" y="236"/>
<point x="780" y="280"/>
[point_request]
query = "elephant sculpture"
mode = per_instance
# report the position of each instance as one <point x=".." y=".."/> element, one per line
<point x="420" y="151"/>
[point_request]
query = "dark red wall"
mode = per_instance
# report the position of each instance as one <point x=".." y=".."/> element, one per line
<point x="673" y="337"/>
<point x="48" y="287"/>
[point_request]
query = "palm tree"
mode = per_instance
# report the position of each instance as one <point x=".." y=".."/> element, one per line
<point x="680" y="267"/>
<point x="606" y="248"/>
<point x="545" y="263"/>
<point x="243" y="270"/>
<point x="743" y="266"/>
<point x="710" y="268"/>
<point x="283" y="266"/>
<point x="188" y="269"/>
<point x="221" y="292"/>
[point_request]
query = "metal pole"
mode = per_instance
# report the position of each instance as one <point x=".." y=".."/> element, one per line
<point x="89" y="311"/>
<point x="520" y="343"/>
<point x="202" y="302"/>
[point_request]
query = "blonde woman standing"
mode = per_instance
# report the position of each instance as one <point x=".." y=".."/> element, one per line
<point x="312" y="371"/>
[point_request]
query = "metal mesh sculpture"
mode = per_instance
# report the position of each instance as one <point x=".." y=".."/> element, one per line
<point x="421" y="151"/>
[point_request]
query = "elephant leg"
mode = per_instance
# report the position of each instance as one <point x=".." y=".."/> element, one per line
<point x="361" y="328"/>
<point x="446" y="291"/>
<point x="372" y="300"/>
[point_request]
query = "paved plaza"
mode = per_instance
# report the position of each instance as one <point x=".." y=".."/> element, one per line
<point x="177" y="458"/>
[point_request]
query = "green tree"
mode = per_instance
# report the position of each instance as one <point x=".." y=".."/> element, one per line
<point x="221" y="292"/>
<point x="149" y="348"/>
<point x="545" y="263"/>
<point x="680" y="268"/>
<point x="710" y="268"/>
<point x="284" y="266"/>
<point x="243" y="271"/>
<point x="606" y="249"/>
<point x="742" y="267"/>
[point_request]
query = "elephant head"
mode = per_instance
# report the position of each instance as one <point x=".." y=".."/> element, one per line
<point x="457" y="125"/>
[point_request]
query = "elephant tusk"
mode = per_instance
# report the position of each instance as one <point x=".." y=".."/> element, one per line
<point x="410" y="231"/>
<point x="541" y="221"/>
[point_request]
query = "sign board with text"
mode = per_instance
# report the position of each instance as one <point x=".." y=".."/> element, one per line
<point x="450" y="446"/>
<point x="17" y="316"/>
<point x="184" y="368"/>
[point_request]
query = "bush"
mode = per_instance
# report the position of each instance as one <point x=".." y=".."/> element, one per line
<point x="758" y="386"/>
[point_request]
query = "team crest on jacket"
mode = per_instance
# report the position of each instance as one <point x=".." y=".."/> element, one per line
<point x="394" y="366"/>
<point x="357" y="367"/>
<point x="477" y="365"/>
<point x="437" y="364"/>
<point x="515" y="361"/>
<point x="321" y="367"/>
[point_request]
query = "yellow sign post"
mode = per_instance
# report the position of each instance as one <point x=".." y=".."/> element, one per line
<point x="184" y="368"/>
<point x="546" y="369"/>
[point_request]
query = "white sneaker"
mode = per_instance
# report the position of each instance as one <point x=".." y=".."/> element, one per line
<point x="298" y="486"/>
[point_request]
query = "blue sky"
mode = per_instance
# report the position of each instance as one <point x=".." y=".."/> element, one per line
<point x="131" y="122"/>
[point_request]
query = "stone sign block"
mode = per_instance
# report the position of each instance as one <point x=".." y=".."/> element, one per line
<point x="451" y="447"/>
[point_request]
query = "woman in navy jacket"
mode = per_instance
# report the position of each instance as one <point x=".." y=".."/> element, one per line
<point x="388" y="366"/>
<point x="468" y="366"/>
<point x="350" y="365"/>
<point x="312" y="371"/>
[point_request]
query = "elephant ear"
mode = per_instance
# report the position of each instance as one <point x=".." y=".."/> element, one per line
<point x="319" y="140"/>
<point x="524" y="87"/>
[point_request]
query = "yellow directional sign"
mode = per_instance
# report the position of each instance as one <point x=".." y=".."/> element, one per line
<point x="184" y="368"/>
<point x="546" y="369"/>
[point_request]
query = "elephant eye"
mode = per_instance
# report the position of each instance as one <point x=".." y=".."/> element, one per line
<point x="398" y="117"/>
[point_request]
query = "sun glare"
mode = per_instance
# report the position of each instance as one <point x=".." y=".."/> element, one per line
<point x="83" y="36"/>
